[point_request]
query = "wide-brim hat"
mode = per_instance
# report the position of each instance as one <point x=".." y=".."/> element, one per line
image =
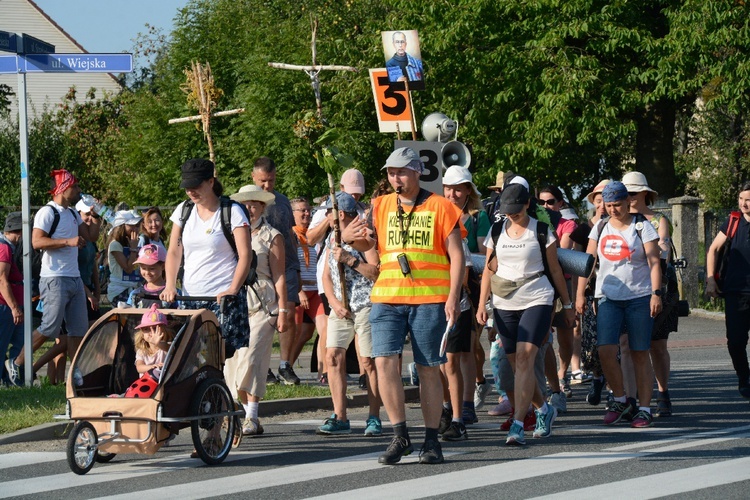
<point x="13" y="222"/>
<point x="514" y="199"/>
<point x="636" y="183"/>
<point x="456" y="175"/>
<point x="251" y="192"/>
<point x="597" y="190"/>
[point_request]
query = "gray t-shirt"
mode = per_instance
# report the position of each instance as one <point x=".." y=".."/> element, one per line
<point x="281" y="218"/>
<point x="623" y="268"/>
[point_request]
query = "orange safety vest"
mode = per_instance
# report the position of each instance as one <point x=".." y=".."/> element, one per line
<point x="431" y="223"/>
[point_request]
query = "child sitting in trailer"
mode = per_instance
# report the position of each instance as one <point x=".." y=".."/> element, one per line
<point x="152" y="341"/>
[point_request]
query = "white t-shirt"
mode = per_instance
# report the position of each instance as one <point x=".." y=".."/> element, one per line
<point x="623" y="268"/>
<point x="119" y="280"/>
<point x="518" y="259"/>
<point x="209" y="259"/>
<point x="60" y="262"/>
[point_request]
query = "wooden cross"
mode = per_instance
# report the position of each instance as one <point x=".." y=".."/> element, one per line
<point x="203" y="94"/>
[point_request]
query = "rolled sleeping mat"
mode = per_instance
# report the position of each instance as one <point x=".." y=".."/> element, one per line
<point x="575" y="262"/>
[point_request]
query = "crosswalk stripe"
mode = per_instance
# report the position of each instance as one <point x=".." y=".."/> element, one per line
<point x="114" y="472"/>
<point x="621" y="429"/>
<point x="29" y="458"/>
<point x="270" y="477"/>
<point x="667" y="483"/>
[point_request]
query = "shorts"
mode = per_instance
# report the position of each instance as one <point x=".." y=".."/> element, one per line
<point x="341" y="331"/>
<point x="459" y="339"/>
<point x="64" y="299"/>
<point x="316" y="308"/>
<point x="235" y="327"/>
<point x="635" y="314"/>
<point x="527" y="325"/>
<point x="292" y="285"/>
<point x="425" y="322"/>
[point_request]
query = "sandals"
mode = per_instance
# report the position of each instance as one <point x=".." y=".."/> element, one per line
<point x="211" y="446"/>
<point x="663" y="405"/>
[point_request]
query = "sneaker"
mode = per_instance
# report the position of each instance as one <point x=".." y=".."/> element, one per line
<point x="744" y="389"/>
<point x="559" y="402"/>
<point x="374" y="426"/>
<point x="363" y="382"/>
<point x="617" y="411"/>
<point x="251" y="427"/>
<point x="431" y="452"/>
<point x="271" y="378"/>
<point x="480" y="394"/>
<point x="399" y="447"/>
<point x="663" y="405"/>
<point x="333" y="426"/>
<point x="642" y="419"/>
<point x="445" y="420"/>
<point x="594" y="397"/>
<point x="515" y="436"/>
<point x="565" y="388"/>
<point x="14" y="372"/>
<point x="455" y="432"/>
<point x="411" y="368"/>
<point x="634" y="405"/>
<point x="529" y="422"/>
<point x="580" y="377"/>
<point x="323" y="379"/>
<point x="544" y="422"/>
<point x="502" y="408"/>
<point x="469" y="416"/>
<point x="287" y="375"/>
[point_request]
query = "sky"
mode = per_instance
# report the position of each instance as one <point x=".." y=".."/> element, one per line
<point x="103" y="26"/>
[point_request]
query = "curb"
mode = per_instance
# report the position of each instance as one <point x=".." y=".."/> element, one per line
<point x="60" y="430"/>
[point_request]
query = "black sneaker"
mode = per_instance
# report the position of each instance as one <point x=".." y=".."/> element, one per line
<point x="399" y="447"/>
<point x="594" y="397"/>
<point x="363" y="382"/>
<point x="287" y="375"/>
<point x="271" y="378"/>
<point x="456" y="432"/>
<point x="431" y="452"/>
<point x="565" y="388"/>
<point x="445" y="420"/>
<point x="744" y="390"/>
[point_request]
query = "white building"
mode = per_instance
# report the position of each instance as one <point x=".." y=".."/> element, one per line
<point x="25" y="16"/>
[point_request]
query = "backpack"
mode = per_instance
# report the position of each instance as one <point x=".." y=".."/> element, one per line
<point x="225" y="206"/>
<point x="722" y="258"/>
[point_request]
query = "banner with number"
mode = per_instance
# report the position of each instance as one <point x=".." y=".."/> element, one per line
<point x="431" y="154"/>
<point x="391" y="103"/>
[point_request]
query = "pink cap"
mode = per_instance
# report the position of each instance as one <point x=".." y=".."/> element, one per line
<point x="353" y="181"/>
<point x="152" y="318"/>
<point x="151" y="254"/>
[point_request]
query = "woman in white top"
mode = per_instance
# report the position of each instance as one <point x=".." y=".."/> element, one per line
<point x="523" y="303"/>
<point x="122" y="252"/>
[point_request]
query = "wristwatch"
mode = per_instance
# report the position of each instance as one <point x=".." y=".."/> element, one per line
<point x="568" y="306"/>
<point x="658" y="293"/>
<point x="356" y="264"/>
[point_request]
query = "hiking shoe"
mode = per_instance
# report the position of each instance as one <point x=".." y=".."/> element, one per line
<point x="580" y="377"/>
<point x="480" y="394"/>
<point x="332" y="426"/>
<point x="287" y="375"/>
<point x="559" y="402"/>
<point x="502" y="408"/>
<point x="565" y="388"/>
<point x="617" y="411"/>
<point x="445" y="420"/>
<point x="594" y="397"/>
<point x="14" y="372"/>
<point x="411" y="368"/>
<point x="363" y="382"/>
<point x="374" y="426"/>
<point x="642" y="419"/>
<point x="455" y="432"/>
<point x="544" y="422"/>
<point x="431" y="452"/>
<point x="399" y="447"/>
<point x="663" y="405"/>
<point x="251" y="427"/>
<point x="271" y="378"/>
<point x="469" y="416"/>
<point x="515" y="436"/>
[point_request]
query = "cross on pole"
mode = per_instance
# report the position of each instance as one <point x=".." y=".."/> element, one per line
<point x="313" y="71"/>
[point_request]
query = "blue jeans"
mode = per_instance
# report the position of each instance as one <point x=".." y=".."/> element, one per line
<point x="635" y="314"/>
<point x="425" y="322"/>
<point x="9" y="334"/>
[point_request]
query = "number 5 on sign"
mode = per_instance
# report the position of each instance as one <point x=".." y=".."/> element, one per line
<point x="391" y="102"/>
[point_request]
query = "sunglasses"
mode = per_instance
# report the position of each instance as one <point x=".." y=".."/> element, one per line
<point x="631" y="194"/>
<point x="549" y="202"/>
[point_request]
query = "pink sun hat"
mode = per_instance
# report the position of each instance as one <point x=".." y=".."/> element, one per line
<point x="151" y="254"/>
<point x="152" y="317"/>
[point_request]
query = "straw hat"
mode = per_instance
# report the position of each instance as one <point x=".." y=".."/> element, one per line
<point x="597" y="190"/>
<point x="251" y="192"/>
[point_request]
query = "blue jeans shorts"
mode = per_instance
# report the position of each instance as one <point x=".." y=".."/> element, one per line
<point x="425" y="322"/>
<point x="635" y="314"/>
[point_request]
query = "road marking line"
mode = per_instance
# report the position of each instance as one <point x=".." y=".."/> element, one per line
<point x="20" y="459"/>
<point x="602" y="429"/>
<point x="667" y="483"/>
<point x="699" y="435"/>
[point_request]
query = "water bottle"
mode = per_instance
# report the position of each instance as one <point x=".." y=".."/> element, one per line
<point x="101" y="209"/>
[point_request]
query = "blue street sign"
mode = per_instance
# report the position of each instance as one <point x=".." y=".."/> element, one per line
<point x="8" y="64"/>
<point x="79" y="63"/>
<point x="33" y="45"/>
<point x="7" y="41"/>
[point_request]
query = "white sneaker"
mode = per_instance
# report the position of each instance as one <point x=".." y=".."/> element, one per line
<point x="559" y="402"/>
<point x="480" y="394"/>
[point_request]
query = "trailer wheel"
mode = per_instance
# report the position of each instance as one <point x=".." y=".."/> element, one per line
<point x="211" y="439"/>
<point x="82" y="447"/>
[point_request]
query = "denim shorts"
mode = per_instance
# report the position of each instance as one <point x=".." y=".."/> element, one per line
<point x="635" y="314"/>
<point x="425" y="322"/>
<point x="64" y="299"/>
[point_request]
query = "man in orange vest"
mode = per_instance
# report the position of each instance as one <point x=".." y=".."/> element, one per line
<point x="418" y="290"/>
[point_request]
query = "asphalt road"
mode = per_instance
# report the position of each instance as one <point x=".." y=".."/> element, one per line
<point x="700" y="452"/>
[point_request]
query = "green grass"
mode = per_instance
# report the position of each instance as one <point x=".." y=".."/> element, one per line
<point x="279" y="391"/>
